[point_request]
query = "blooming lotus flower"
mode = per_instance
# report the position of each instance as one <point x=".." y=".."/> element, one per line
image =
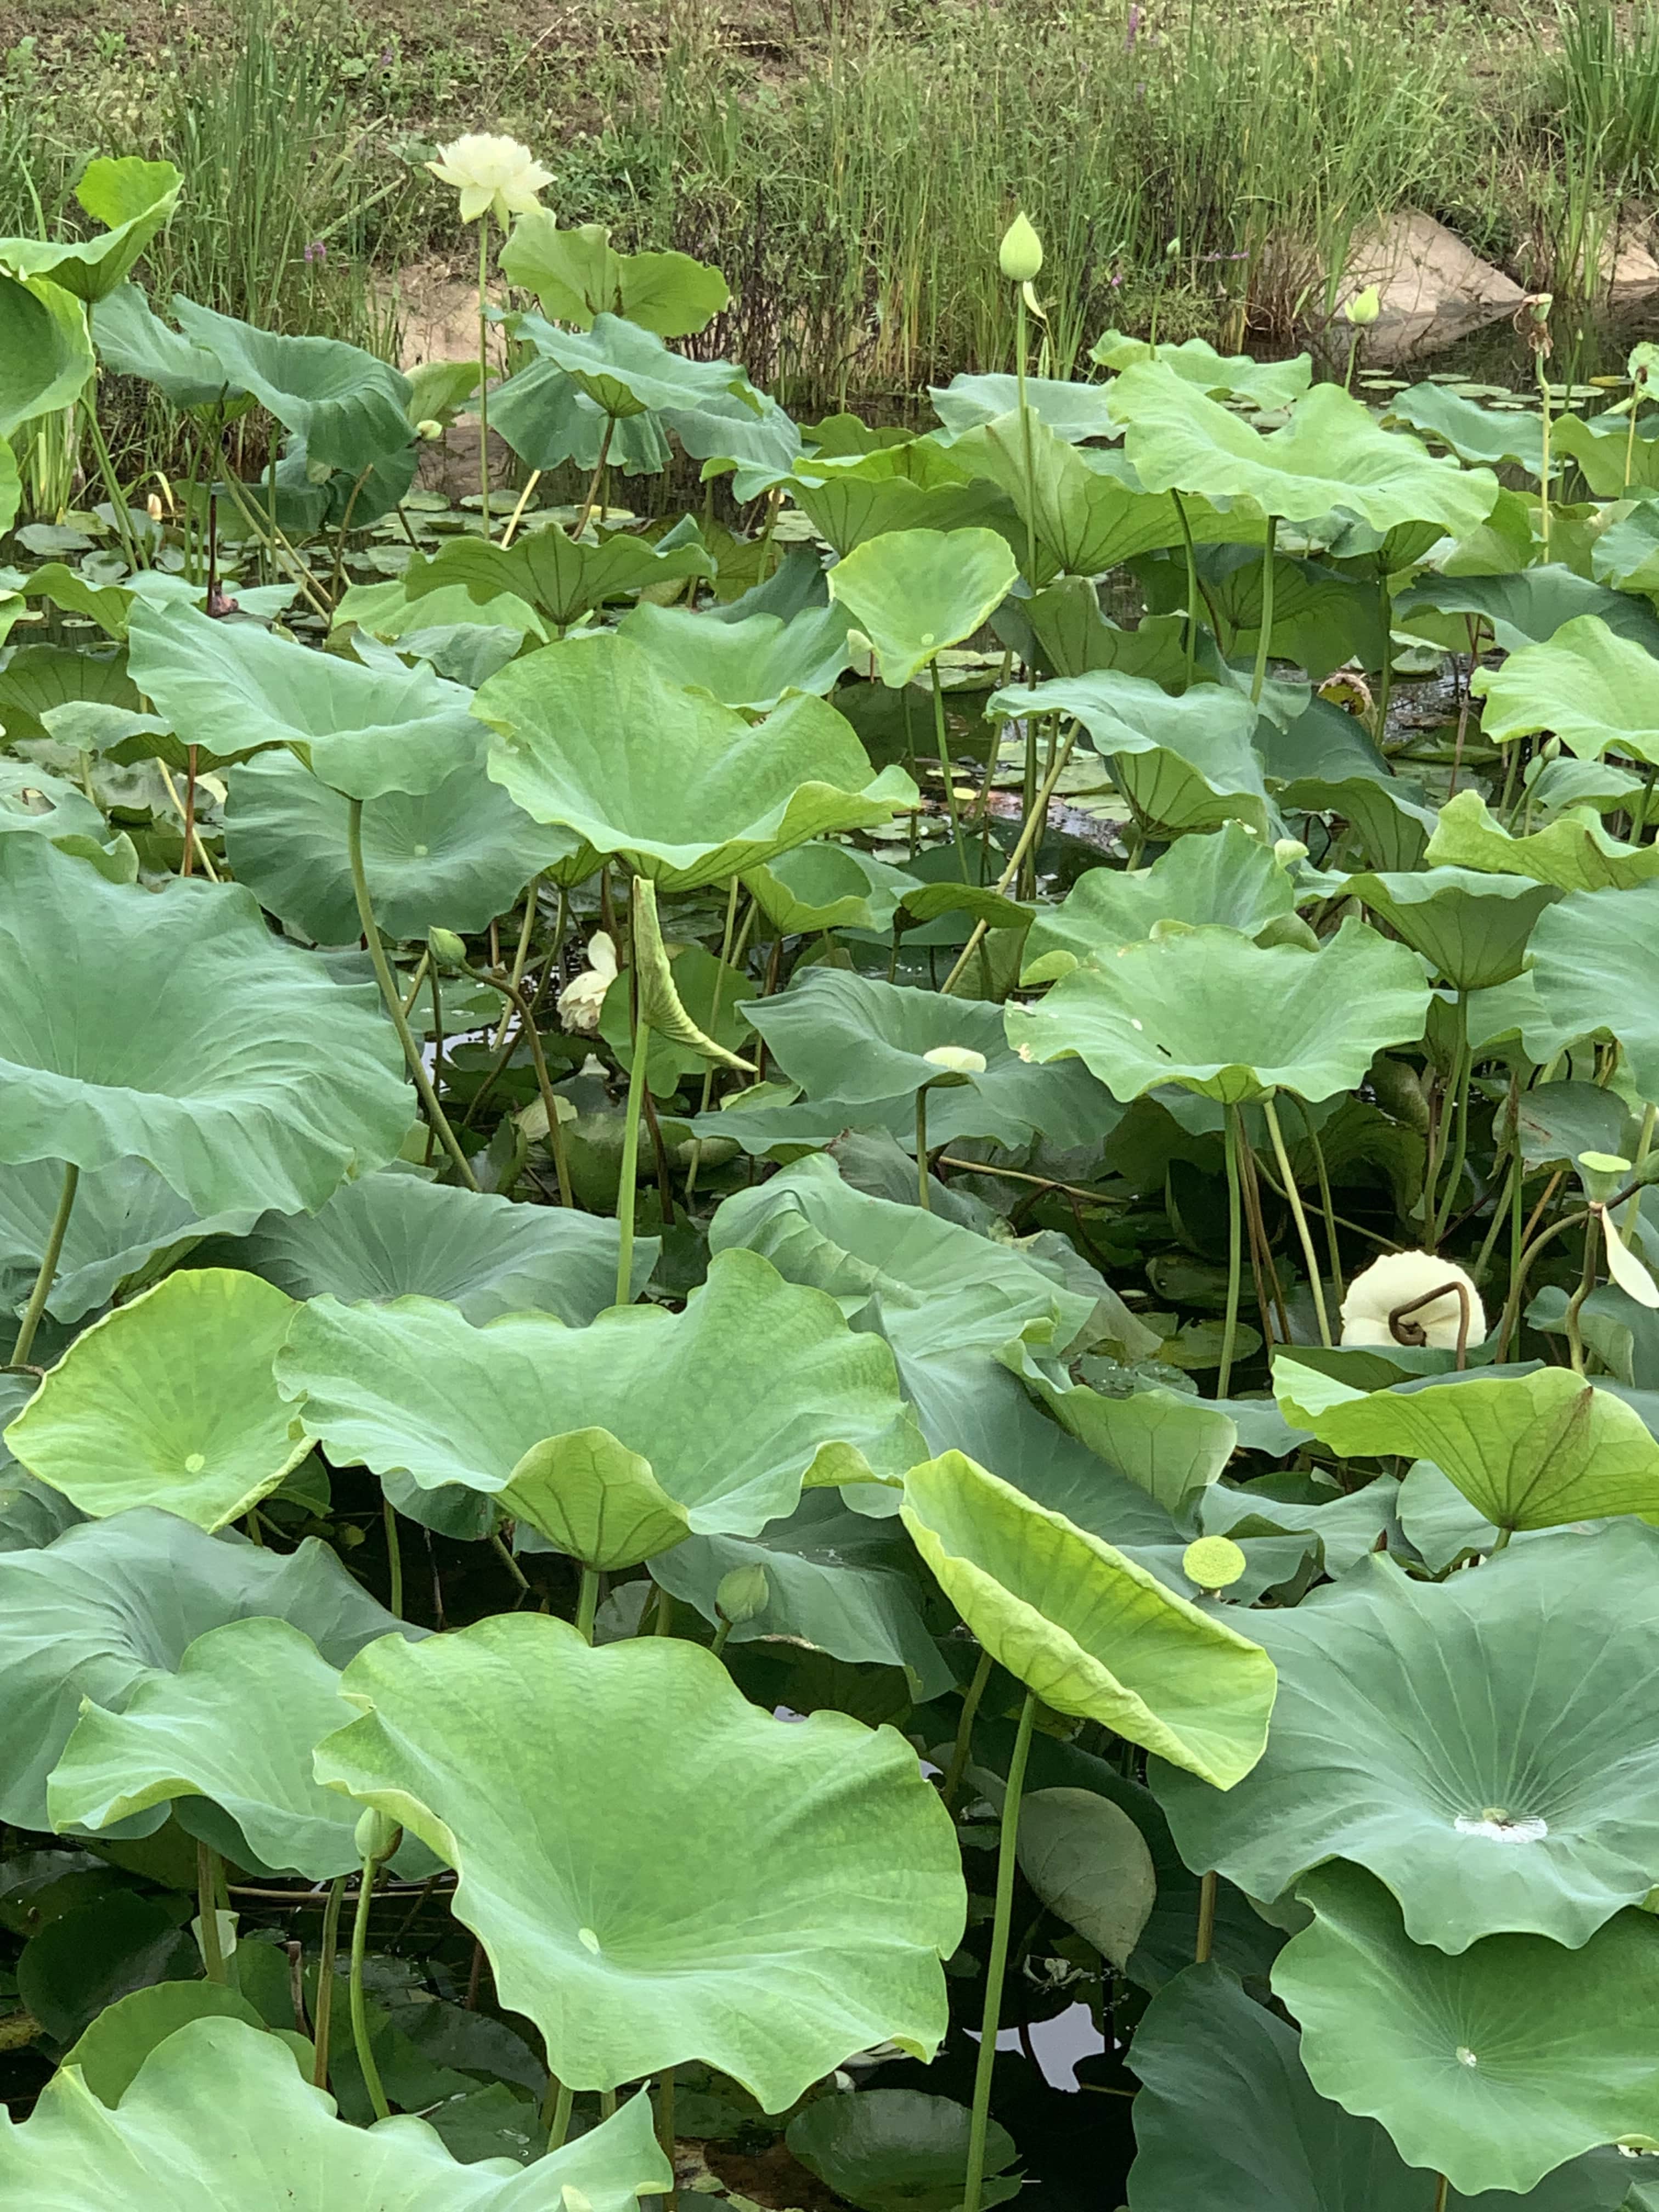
<point x="1399" y="1280"/>
<point x="582" y="1000"/>
<point x="491" y="172"/>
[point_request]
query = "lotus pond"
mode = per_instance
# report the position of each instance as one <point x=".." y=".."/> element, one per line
<point x="713" y="1441"/>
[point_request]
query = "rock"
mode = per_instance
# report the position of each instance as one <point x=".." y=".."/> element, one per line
<point x="1627" y="268"/>
<point x="1432" y="287"/>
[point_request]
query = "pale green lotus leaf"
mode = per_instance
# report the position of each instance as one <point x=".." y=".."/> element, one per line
<point x="1574" y="853"/>
<point x="1221" y="375"/>
<point x="1230" y="879"/>
<point x="853" y="499"/>
<point x="562" y="576"/>
<point x="111" y="2051"/>
<point x="135" y="342"/>
<point x="915" y="593"/>
<point x="1595" y="966"/>
<point x="172" y="1026"/>
<point x="126" y="1227"/>
<point x="46" y="356"/>
<point x="683" y="788"/>
<point x="110" y="1602"/>
<point x="1476" y="434"/>
<point x="219" y="2114"/>
<point x="1211" y="1010"/>
<point x="348" y="407"/>
<point x="1072" y="411"/>
<point x="1528" y="1451"/>
<point x="589" y="1495"/>
<point x="169" y="1401"/>
<point x="34" y="803"/>
<point x="628" y="370"/>
<point x="453" y="858"/>
<point x="1525" y="607"/>
<point x="1472" y="927"/>
<point x="364" y="731"/>
<point x="758" y="1387"/>
<point x="231" y="1732"/>
<point x="1332" y="455"/>
<point x="1085" y="1628"/>
<point x="637" y="1914"/>
<point x="133" y="199"/>
<point x="827" y="886"/>
<point x="753" y="663"/>
<point x="1492" y="2067"/>
<point x="1592" y="689"/>
<point x="1173" y="1445"/>
<point x="577" y="274"/>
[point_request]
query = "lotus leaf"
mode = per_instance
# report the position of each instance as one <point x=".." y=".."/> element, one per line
<point x="1592" y="688"/>
<point x="751" y="663"/>
<point x="132" y="199"/>
<point x="562" y="576"/>
<point x="1595" y="965"/>
<point x="347" y="405"/>
<point x="1207" y="1009"/>
<point x="1073" y="411"/>
<point x="628" y="370"/>
<point x="915" y="593"/>
<point x="578" y="274"/>
<point x="1088" y="1861"/>
<point x="1527" y="607"/>
<point x="827" y="886"/>
<point x="897" y="2150"/>
<point x="1223" y="376"/>
<point x="1173" y="1445"/>
<point x="1230" y="879"/>
<point x="1474" y="434"/>
<point x="1575" y="853"/>
<point x="636" y="1916"/>
<point x="46" y="356"/>
<point x="1471" y="926"/>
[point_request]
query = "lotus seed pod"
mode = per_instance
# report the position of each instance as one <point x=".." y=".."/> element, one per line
<point x="1019" y="257"/>
<point x="376" y="1836"/>
<point x="743" y="1595"/>
<point x="1212" y="1562"/>
<point x="1363" y="310"/>
<point x="448" y="951"/>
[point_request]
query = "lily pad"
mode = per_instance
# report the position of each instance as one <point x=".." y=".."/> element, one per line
<point x="637" y="1915"/>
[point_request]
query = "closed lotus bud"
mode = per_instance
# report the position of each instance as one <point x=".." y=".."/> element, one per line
<point x="1019" y="257"/>
<point x="448" y="951"/>
<point x="959" y="1059"/>
<point x="1363" y="310"/>
<point x="743" y="1595"/>
<point x="1287" y="851"/>
<point x="376" y="1836"/>
<point x="429" y="430"/>
<point x="153" y="507"/>
<point x="1212" y="1562"/>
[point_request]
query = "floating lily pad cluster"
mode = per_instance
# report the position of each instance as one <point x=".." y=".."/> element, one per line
<point x="819" y="1309"/>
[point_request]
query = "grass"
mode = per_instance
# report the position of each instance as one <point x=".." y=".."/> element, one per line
<point x="851" y="163"/>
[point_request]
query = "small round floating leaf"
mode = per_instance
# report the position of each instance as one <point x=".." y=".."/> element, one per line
<point x="1087" y="1628"/>
<point x="1088" y="1861"/>
<point x="768" y="1897"/>
<point x="899" y="2150"/>
<point x="916" y="593"/>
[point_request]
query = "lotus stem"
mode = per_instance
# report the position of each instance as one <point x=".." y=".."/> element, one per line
<point x="1036" y="815"/>
<point x="1385" y="674"/>
<point x="371" y="2072"/>
<point x="1304" y="1234"/>
<point x="483" y="368"/>
<point x="965" y="1719"/>
<point x="944" y="769"/>
<point x="207" y="1906"/>
<point x="1322" y="1173"/>
<point x="594" y="481"/>
<point x="706" y="1099"/>
<point x="922" y="1198"/>
<point x="1207" y="1888"/>
<point x="555" y="2111"/>
<point x="1586" y="1284"/>
<point x="1192" y="587"/>
<point x="394" y="1556"/>
<point x="517" y="515"/>
<point x="588" y="1602"/>
<point x="1440" y="2186"/>
<point x="1235" y="1257"/>
<point x="997" y="1965"/>
<point x="627" y="1179"/>
<point x="517" y="1004"/>
<point x="23" y="1344"/>
<point x="1540" y="359"/>
<point x="1464" y="1070"/>
<point x="394" y="1005"/>
<point x="1031" y="463"/>
<point x="607" y="2103"/>
<point x="1260" y="677"/>
<point x="666" y="2132"/>
<point x="323" y="2012"/>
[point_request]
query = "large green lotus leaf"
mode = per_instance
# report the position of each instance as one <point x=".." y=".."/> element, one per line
<point x="828" y="887"/>
<point x="134" y="342"/>
<point x="1472" y="927"/>
<point x="1229" y="877"/>
<point x="169" y="1401"/>
<point x="1331" y="455"/>
<point x="850" y="502"/>
<point x="94" y="1612"/>
<point x="547" y="418"/>
<point x="1185" y="762"/>
<point x="454" y="858"/>
<point x="1575" y="853"/>
<point x="756" y="1388"/>
<point x="1602" y="447"/>
<point x="1493" y="2066"/>
<point x="34" y="804"/>
<point x="1594" y="690"/>
<point x="750" y="664"/>
<point x="899" y="2150"/>
<point x="1173" y="1445"/>
<point x="1073" y="411"/>
<point x="851" y="1041"/>
<point x="578" y="274"/>
<point x="46" y="356"/>
<point x="1476" y="1743"/>
<point x="1528" y="1451"/>
<point x="1085" y="1628"/>
<point x="1208" y="1009"/>
<point x="638" y="1915"/>
<point x="685" y="789"/>
<point x="171" y="1026"/>
<point x="1347" y="1525"/>
<point x="396" y="1236"/>
<point x="1595" y="965"/>
<point x="1267" y="2139"/>
<point x="365" y="730"/>
<point x="348" y="406"/>
<point x="836" y="1579"/>
<point x="1223" y="376"/>
<point x="914" y="593"/>
<point x="626" y="370"/>
<point x="1474" y="434"/>
<point x="1524" y="608"/>
<point x="133" y="199"/>
<point x="562" y="576"/>
<point x="235" y="1726"/>
<point x="219" y="2114"/>
<point x="1089" y="1863"/>
<point x="1322" y="617"/>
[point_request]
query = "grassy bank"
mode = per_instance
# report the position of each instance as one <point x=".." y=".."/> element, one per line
<point x="849" y="163"/>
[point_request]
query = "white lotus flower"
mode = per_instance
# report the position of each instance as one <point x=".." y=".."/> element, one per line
<point x="582" y="999"/>
<point x="1399" y="1279"/>
<point x="956" y="1059"/>
<point x="491" y="172"/>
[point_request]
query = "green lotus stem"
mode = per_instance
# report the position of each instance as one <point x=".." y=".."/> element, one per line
<point x="664" y="1614"/>
<point x="1385" y="674"/>
<point x="520" y="955"/>
<point x="594" y="481"/>
<point x="1235" y="1257"/>
<point x="117" y="496"/>
<point x="1260" y="675"/>
<point x="1440" y="2186"/>
<point x="721" y="1634"/>
<point x="371" y="2072"/>
<point x="965" y="1719"/>
<point x="1523" y="1268"/>
<point x="997" y="1965"/>
<point x="1035" y="816"/>
<point x="23" y="1344"/>
<point x="394" y="1556"/>
<point x="207" y="1906"/>
<point x="1644" y="1142"/>
<point x="510" y="1563"/>
<point x="1207" y="1888"/>
<point x="945" y="767"/>
<point x="627" y="1179"/>
<point x="1192" y="587"/>
<point x="394" y="1005"/>
<point x="1461" y="1150"/>
<point x="607" y="2103"/>
<point x="555" y="2111"/>
<point x="665" y="2132"/>
<point x="1323" y="1173"/>
<point x="588" y="1602"/>
<point x="516" y="1003"/>
<point x="1544" y="477"/>
<point x="923" y="1199"/>
<point x="706" y="1099"/>
<point x="322" y="2012"/>
<point x="1293" y="1196"/>
<point x="1586" y="1284"/>
<point x="483" y="367"/>
<point x="1025" y="441"/>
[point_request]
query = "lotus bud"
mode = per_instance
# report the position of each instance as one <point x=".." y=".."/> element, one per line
<point x="376" y="1836"/>
<point x="429" y="430"/>
<point x="1539" y="305"/>
<point x="448" y="951"/>
<point x="1287" y="851"/>
<point x="1413" y="1298"/>
<point x="742" y="1594"/>
<point x="1212" y="1562"/>
<point x="959" y="1059"/>
<point x="1363" y="310"/>
<point x="153" y="507"/>
<point x="1019" y="257"/>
